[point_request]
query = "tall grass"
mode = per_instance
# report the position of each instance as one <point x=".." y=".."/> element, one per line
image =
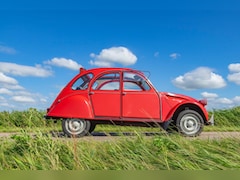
<point x="227" y="117"/>
<point x="15" y="120"/>
<point x="42" y="152"/>
<point x="33" y="118"/>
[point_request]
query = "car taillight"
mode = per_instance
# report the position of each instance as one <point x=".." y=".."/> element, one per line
<point x="203" y="102"/>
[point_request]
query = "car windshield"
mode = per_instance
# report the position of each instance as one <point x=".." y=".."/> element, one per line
<point x="82" y="82"/>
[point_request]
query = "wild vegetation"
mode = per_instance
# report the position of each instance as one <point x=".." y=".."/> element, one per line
<point x="159" y="152"/>
<point x="32" y="118"/>
<point x="39" y="150"/>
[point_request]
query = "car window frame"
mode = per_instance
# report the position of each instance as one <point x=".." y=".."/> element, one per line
<point x="86" y="82"/>
<point x="134" y="81"/>
<point x="98" y="88"/>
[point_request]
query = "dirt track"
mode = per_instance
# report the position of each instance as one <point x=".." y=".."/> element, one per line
<point x="98" y="136"/>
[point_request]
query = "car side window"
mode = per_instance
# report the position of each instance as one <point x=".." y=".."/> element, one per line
<point x="82" y="82"/>
<point x="134" y="82"/>
<point x="109" y="81"/>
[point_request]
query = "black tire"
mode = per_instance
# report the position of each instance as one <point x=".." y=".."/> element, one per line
<point x="172" y="128"/>
<point x="92" y="127"/>
<point x="189" y="123"/>
<point x="76" y="127"/>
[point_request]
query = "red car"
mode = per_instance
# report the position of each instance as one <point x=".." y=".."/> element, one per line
<point x="123" y="96"/>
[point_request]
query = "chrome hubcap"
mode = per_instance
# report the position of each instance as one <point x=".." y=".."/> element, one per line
<point x="75" y="126"/>
<point x="189" y="124"/>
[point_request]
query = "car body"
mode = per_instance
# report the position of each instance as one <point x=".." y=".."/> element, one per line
<point x="123" y="96"/>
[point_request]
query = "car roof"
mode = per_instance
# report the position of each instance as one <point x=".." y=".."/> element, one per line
<point x="97" y="70"/>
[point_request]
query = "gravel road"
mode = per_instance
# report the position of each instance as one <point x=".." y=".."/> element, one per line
<point x="98" y="136"/>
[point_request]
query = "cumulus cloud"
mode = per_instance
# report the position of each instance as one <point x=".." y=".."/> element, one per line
<point x="234" y="75"/>
<point x="174" y="55"/>
<point x="7" y="50"/>
<point x="7" y="80"/>
<point x="5" y="91"/>
<point x="209" y="95"/>
<point x="236" y="99"/>
<point x="200" y="78"/>
<point x="5" y="104"/>
<point x="22" y="70"/>
<point x="234" y="67"/>
<point x="216" y="102"/>
<point x="63" y="62"/>
<point x="12" y="86"/>
<point x="108" y="57"/>
<point x="224" y="101"/>
<point x="23" y="99"/>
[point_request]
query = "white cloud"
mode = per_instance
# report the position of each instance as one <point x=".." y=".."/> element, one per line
<point x="216" y="102"/>
<point x="63" y="62"/>
<point x="236" y="99"/>
<point x="235" y="77"/>
<point x="5" y="104"/>
<point x="12" y="86"/>
<point x="209" y="95"/>
<point x="224" y="101"/>
<point x="108" y="57"/>
<point x="23" y="99"/>
<point x="24" y="93"/>
<point x="235" y="73"/>
<point x="43" y="100"/>
<point x="174" y="55"/>
<point x="7" y="80"/>
<point x="7" y="50"/>
<point x="200" y="78"/>
<point x="5" y="91"/>
<point x="22" y="70"/>
<point x="234" y="67"/>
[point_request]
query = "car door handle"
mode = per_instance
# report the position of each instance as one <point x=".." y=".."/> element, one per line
<point x="124" y="93"/>
<point x="91" y="93"/>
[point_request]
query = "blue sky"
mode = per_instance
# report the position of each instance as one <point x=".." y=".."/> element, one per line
<point x="189" y="47"/>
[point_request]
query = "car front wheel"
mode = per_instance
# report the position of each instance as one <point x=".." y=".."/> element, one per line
<point x="76" y="127"/>
<point x="189" y="123"/>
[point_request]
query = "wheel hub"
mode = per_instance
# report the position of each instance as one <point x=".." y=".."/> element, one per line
<point x="189" y="125"/>
<point x="76" y="126"/>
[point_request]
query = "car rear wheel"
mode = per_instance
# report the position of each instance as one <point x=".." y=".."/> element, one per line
<point x="189" y="123"/>
<point x="92" y="127"/>
<point x="76" y="127"/>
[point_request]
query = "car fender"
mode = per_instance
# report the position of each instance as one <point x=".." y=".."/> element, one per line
<point x="73" y="106"/>
<point x="173" y="113"/>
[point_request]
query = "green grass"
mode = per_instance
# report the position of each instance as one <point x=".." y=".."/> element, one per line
<point x="33" y="120"/>
<point x="42" y="152"/>
<point x="25" y="151"/>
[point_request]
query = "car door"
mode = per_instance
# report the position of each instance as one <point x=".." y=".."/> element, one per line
<point x="106" y="95"/>
<point x="139" y="99"/>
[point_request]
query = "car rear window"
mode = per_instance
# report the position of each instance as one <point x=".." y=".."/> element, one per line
<point x="82" y="82"/>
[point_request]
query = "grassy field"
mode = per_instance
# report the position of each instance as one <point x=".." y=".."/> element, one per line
<point x="41" y="152"/>
<point x="160" y="152"/>
<point x="225" y="120"/>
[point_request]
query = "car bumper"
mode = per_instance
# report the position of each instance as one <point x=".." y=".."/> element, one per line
<point x="211" y="120"/>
